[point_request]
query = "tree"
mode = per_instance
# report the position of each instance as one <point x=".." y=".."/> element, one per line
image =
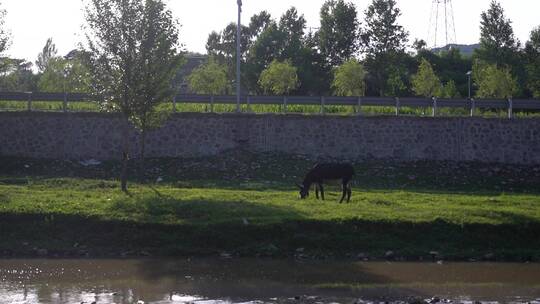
<point x="498" y="45"/>
<point x="5" y="63"/>
<point x="450" y="90"/>
<point x="292" y="26"/>
<point x="338" y="35"/>
<point x="419" y="45"/>
<point x="222" y="46"/>
<point x="134" y="54"/>
<point x="49" y="51"/>
<point x="17" y="76"/>
<point x="449" y="65"/>
<point x="65" y="75"/>
<point x="210" y="78"/>
<point x="4" y="34"/>
<point x="349" y="79"/>
<point x="395" y="83"/>
<point x="279" y="78"/>
<point x="384" y="41"/>
<point x="425" y="82"/>
<point x="286" y="40"/>
<point x="258" y="23"/>
<point x="494" y="82"/>
<point x="268" y="47"/>
<point x="532" y="54"/>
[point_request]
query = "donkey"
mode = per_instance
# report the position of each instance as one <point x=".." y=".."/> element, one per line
<point x="324" y="172"/>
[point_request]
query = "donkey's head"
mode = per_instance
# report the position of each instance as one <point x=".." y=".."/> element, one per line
<point x="304" y="192"/>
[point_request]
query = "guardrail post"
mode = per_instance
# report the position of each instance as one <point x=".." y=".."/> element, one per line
<point x="322" y="104"/>
<point x="359" y="106"/>
<point x="212" y="104"/>
<point x="510" y="108"/>
<point x="174" y="104"/>
<point x="473" y="107"/>
<point x="397" y="106"/>
<point x="65" y="104"/>
<point x="29" y="104"/>
<point x="284" y="104"/>
<point x="434" y="113"/>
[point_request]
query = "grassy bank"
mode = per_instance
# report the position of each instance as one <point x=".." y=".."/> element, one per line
<point x="246" y="205"/>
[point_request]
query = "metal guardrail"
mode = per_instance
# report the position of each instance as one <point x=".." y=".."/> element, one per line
<point x="435" y="104"/>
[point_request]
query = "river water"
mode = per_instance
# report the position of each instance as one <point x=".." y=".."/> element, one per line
<point x="220" y="281"/>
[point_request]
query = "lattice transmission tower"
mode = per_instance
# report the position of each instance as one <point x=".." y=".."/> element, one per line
<point x="442" y="28"/>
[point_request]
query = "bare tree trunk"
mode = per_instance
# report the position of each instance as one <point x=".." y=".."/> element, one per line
<point x="143" y="147"/>
<point x="125" y="154"/>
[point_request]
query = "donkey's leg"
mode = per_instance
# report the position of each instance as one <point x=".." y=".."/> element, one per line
<point x="322" y="190"/>
<point x="349" y="192"/>
<point x="344" y="187"/>
<point x="317" y="191"/>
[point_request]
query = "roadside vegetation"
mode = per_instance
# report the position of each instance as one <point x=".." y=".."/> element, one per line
<point x="247" y="205"/>
<point x="167" y="108"/>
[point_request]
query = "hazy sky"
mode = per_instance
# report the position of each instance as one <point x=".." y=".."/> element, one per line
<point x="31" y="22"/>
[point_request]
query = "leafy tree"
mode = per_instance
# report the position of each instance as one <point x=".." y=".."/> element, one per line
<point x="292" y="26"/>
<point x="5" y="63"/>
<point x="449" y="65"/>
<point x="498" y="44"/>
<point x="268" y="47"/>
<point x="284" y="40"/>
<point x="396" y="82"/>
<point x="279" y="78"/>
<point x="532" y="53"/>
<point x="338" y="35"/>
<point x="384" y="41"/>
<point x="310" y="64"/>
<point x="425" y="82"/>
<point x="313" y="72"/>
<point x="494" y="82"/>
<point x="222" y="46"/>
<point x="259" y="22"/>
<point x="134" y="51"/>
<point x="17" y="75"/>
<point x="419" y="45"/>
<point x="49" y="52"/>
<point x="450" y="90"/>
<point x="211" y="78"/>
<point x="65" y="75"/>
<point x="349" y="79"/>
<point x="4" y="33"/>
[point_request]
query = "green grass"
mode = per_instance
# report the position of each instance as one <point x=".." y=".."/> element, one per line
<point x="247" y="205"/>
<point x="53" y="106"/>
<point x="298" y="109"/>
<point x="167" y="204"/>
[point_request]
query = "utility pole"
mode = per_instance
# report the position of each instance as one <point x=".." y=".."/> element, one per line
<point x="238" y="54"/>
<point x="469" y="73"/>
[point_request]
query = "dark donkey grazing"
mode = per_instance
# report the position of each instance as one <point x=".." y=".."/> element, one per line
<point x="324" y="172"/>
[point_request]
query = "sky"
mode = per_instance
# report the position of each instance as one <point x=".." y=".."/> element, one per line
<point x="31" y="22"/>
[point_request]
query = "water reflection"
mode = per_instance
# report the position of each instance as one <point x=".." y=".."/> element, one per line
<point x="202" y="280"/>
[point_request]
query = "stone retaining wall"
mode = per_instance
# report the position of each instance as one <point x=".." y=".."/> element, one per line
<point x="94" y="135"/>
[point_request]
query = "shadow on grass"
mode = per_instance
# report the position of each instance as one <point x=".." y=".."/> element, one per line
<point x="64" y="234"/>
<point x="245" y="171"/>
<point x="204" y="211"/>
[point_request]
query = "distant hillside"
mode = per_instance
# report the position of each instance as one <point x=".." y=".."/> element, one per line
<point x="465" y="49"/>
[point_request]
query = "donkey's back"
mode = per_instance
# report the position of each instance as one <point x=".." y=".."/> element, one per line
<point x="332" y="171"/>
